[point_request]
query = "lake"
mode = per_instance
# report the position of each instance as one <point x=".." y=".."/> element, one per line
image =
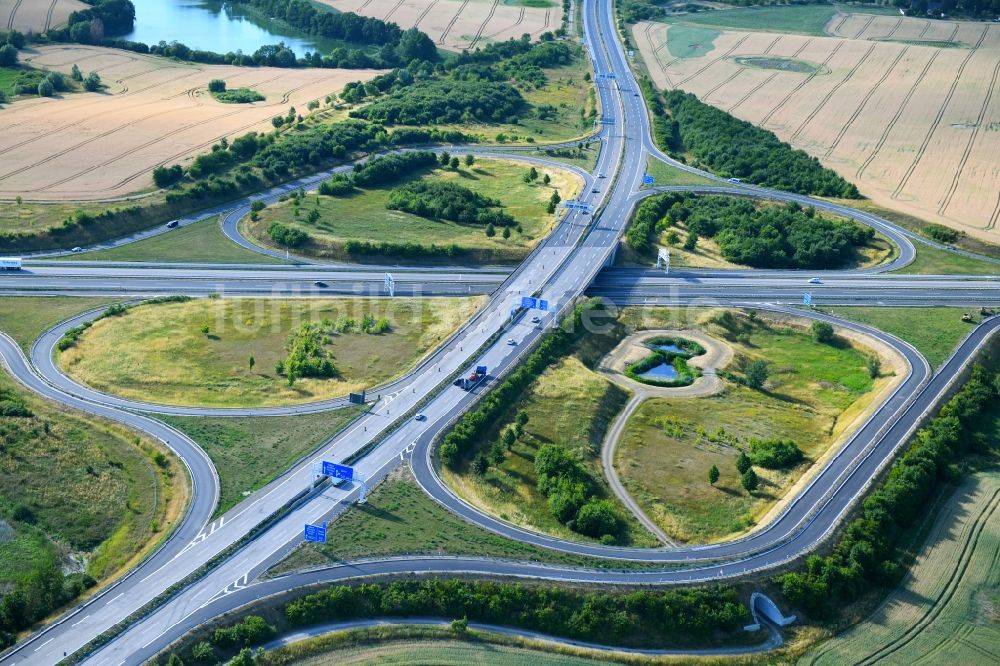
<point x="214" y="26"/>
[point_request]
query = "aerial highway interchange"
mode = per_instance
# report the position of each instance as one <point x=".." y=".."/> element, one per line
<point x="208" y="567"/>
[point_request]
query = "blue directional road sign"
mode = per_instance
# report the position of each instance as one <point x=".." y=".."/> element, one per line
<point x="807" y="298"/>
<point x="316" y="533"/>
<point x="607" y="120"/>
<point x="528" y="302"/>
<point x="647" y="180"/>
<point x="338" y="471"/>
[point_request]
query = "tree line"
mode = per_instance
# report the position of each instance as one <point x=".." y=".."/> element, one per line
<point x="735" y="148"/>
<point x="762" y="236"/>
<point x="874" y="544"/>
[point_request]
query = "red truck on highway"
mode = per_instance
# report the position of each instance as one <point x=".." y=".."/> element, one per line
<point x="474" y="378"/>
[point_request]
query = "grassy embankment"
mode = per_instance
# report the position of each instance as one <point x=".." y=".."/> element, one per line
<point x="413" y="645"/>
<point x="249" y="452"/>
<point x="935" y="332"/>
<point x="400" y="519"/>
<point x="24" y="318"/>
<point x="201" y="242"/>
<point x="814" y="393"/>
<point x="80" y="492"/>
<point x="364" y="217"/>
<point x="160" y="353"/>
<point x="570" y="405"/>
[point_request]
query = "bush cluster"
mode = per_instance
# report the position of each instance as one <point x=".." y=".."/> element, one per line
<point x="446" y="101"/>
<point x="287" y="236"/>
<point x="382" y="170"/>
<point x="13" y="405"/>
<point x="765" y="236"/>
<point x="408" y="250"/>
<point x="572" y="495"/>
<point x="775" y="453"/>
<point x="448" y="201"/>
<point x="868" y="553"/>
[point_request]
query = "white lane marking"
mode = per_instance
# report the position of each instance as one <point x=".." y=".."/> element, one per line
<point x="80" y="621"/>
<point x="44" y="644"/>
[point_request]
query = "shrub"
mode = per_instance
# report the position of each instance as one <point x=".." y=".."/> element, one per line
<point x="448" y="201"/>
<point x="774" y="453"/>
<point x="285" y="235"/>
<point x="92" y="83"/>
<point x="216" y="86"/>
<point x="167" y="176"/>
<point x="8" y="55"/>
<point x="822" y="332"/>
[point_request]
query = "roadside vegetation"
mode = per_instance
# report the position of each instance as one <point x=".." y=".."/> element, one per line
<point x="399" y="519"/>
<point x="720" y="230"/>
<point x="486" y="210"/>
<point x="250" y="352"/>
<point x="789" y="394"/>
<point x="708" y="138"/>
<point x="200" y="242"/>
<point x="873" y="551"/>
<point x="665" y="174"/>
<point x="24" y="318"/>
<point x="530" y="453"/>
<point x="80" y="500"/>
<point x="249" y="452"/>
<point x="675" y="618"/>
<point x="935" y="332"/>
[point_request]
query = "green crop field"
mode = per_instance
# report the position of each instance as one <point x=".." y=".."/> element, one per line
<point x="935" y="332"/>
<point x="400" y="519"/>
<point x="805" y="19"/>
<point x="947" y="609"/>
<point x="164" y="353"/>
<point x="70" y="484"/>
<point x="813" y="393"/>
<point x="364" y="217"/>
<point x="685" y="41"/>
<point x="199" y="242"/>
<point x="251" y="451"/>
<point x="569" y="404"/>
<point x="24" y="318"/>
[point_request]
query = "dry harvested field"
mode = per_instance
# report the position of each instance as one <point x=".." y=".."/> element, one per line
<point x="907" y="109"/>
<point x="99" y="145"/>
<point x="460" y="24"/>
<point x="36" y="15"/>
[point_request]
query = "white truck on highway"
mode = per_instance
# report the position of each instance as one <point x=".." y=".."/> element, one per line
<point x="10" y="263"/>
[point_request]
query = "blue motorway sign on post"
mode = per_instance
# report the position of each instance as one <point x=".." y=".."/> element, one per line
<point x="528" y="303"/>
<point x="647" y="180"/>
<point x="316" y="533"/>
<point x="807" y="298"/>
<point x="337" y="471"/>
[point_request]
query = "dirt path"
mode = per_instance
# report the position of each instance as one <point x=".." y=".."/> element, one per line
<point x="717" y="355"/>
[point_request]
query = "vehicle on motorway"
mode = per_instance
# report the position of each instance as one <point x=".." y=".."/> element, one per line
<point x="77" y="249"/>
<point x="815" y="280"/>
<point x="10" y="263"/>
<point x="600" y="175"/>
<point x="511" y="342"/>
<point x="734" y="180"/>
<point x="420" y="417"/>
<point x="535" y="319"/>
<point x="319" y="283"/>
<point x="593" y="191"/>
<point x="171" y="224"/>
<point x="470" y="382"/>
